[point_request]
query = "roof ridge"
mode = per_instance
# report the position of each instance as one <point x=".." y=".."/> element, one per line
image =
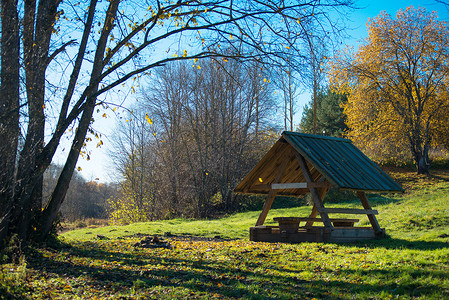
<point x="316" y="136"/>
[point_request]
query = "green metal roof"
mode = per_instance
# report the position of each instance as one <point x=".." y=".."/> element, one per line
<point x="342" y="163"/>
<point x="330" y="160"/>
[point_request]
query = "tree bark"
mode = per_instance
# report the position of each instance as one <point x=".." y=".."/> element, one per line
<point x="422" y="161"/>
<point x="419" y="145"/>
<point x="9" y="109"/>
<point x="50" y="212"/>
<point x="37" y="31"/>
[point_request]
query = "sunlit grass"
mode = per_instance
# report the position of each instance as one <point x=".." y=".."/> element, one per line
<point x="423" y="213"/>
<point x="105" y="263"/>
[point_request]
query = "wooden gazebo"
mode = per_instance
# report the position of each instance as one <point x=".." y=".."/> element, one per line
<point x="298" y="164"/>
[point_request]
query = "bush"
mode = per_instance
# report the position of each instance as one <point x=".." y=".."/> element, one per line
<point x="124" y="210"/>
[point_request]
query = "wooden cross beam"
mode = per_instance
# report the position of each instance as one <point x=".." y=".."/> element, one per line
<point x="317" y="200"/>
<point x="371" y="216"/>
<point x="322" y="192"/>
<point x="293" y="185"/>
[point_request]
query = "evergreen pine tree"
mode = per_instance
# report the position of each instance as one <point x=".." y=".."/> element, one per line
<point x="330" y="118"/>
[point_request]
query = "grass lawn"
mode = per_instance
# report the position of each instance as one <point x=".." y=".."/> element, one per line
<point x="104" y="262"/>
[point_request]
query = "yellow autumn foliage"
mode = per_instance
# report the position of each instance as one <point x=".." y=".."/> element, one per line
<point x="128" y="208"/>
<point x="124" y="210"/>
<point x="397" y="83"/>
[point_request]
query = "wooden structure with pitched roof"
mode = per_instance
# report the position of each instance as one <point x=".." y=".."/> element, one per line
<point x="298" y="164"/>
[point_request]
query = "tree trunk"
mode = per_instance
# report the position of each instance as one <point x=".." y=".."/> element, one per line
<point x="419" y="140"/>
<point x="50" y="212"/>
<point x="37" y="30"/>
<point x="9" y="109"/>
<point x="420" y="153"/>
<point x="422" y="161"/>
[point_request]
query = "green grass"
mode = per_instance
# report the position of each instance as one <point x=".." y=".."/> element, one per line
<point x="412" y="263"/>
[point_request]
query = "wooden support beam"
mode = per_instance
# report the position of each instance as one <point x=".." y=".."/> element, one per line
<point x="262" y="187"/>
<point x="312" y="215"/>
<point x="322" y="192"/>
<point x="283" y="186"/>
<point x="371" y="217"/>
<point x="317" y="200"/>
<point x="299" y="185"/>
<point x="271" y="195"/>
<point x="294" y="185"/>
<point x="352" y="211"/>
<point x="266" y="207"/>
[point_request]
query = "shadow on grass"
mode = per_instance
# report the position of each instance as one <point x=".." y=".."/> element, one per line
<point x="378" y="199"/>
<point x="397" y="281"/>
<point x="240" y="275"/>
<point x="198" y="277"/>
<point x="394" y="243"/>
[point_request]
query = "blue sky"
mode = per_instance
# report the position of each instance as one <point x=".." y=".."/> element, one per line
<point x="99" y="165"/>
<point x="370" y="9"/>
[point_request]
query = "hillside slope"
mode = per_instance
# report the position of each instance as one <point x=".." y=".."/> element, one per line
<point x="421" y="213"/>
<point x="193" y="263"/>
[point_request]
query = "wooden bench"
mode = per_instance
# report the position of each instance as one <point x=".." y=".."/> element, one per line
<point x="292" y="223"/>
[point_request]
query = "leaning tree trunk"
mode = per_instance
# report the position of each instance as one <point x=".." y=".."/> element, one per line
<point x="50" y="212"/>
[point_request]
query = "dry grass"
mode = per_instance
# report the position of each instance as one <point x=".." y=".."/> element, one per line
<point x="85" y="223"/>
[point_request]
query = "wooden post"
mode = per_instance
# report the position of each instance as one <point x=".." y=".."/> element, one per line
<point x="318" y="202"/>
<point x="314" y="213"/>
<point x="371" y="217"/>
<point x="271" y="194"/>
<point x="266" y="207"/>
